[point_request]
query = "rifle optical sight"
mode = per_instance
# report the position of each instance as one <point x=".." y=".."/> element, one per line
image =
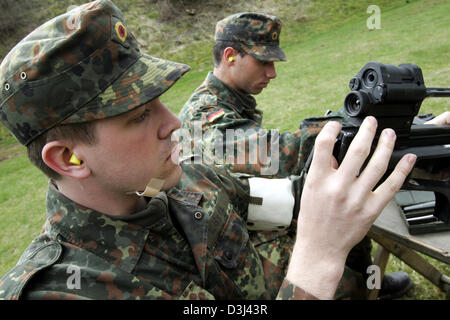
<point x="393" y="95"/>
<point x="386" y="90"/>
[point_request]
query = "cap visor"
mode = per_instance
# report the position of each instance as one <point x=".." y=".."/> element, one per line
<point x="265" y="53"/>
<point x="145" y="80"/>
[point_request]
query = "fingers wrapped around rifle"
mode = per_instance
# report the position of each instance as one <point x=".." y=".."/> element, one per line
<point x="323" y="150"/>
<point x="359" y="149"/>
<point x="379" y="161"/>
<point x="384" y="192"/>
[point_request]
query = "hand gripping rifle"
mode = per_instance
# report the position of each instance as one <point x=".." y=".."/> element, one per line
<point x="394" y="95"/>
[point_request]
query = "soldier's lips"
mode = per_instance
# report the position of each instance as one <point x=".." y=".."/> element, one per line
<point x="174" y="154"/>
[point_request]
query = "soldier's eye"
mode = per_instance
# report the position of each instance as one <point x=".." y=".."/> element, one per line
<point x="143" y="116"/>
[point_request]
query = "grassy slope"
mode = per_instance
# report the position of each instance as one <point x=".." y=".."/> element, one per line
<point x="22" y="207"/>
<point x="326" y="43"/>
<point x="316" y="76"/>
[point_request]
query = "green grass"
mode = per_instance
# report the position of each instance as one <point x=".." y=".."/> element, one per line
<point x="22" y="207"/>
<point x="316" y="76"/>
<point x="326" y="43"/>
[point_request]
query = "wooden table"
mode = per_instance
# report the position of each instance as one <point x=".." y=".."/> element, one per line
<point x="392" y="235"/>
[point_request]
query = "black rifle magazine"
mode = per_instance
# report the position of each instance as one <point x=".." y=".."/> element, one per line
<point x="417" y="212"/>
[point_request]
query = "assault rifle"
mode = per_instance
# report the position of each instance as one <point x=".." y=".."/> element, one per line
<point x="394" y="95"/>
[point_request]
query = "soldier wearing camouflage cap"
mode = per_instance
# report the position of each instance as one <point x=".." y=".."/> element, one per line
<point x="246" y="47"/>
<point x="120" y="223"/>
<point x="94" y="71"/>
<point x="256" y="34"/>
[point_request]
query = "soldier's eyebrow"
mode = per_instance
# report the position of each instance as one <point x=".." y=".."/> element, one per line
<point x="135" y="112"/>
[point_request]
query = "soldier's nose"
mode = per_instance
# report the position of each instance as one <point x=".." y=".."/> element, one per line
<point x="270" y="70"/>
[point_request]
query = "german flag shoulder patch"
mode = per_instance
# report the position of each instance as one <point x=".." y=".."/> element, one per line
<point x="215" y="115"/>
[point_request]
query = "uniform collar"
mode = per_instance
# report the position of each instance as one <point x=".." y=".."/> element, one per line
<point x="118" y="241"/>
<point x="234" y="99"/>
<point x="190" y="197"/>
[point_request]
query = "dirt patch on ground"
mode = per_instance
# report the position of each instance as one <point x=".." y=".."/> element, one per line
<point x="11" y="151"/>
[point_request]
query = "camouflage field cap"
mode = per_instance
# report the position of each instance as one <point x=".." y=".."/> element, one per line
<point x="258" y="34"/>
<point x="80" y="66"/>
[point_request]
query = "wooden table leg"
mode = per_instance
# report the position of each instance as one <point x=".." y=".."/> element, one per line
<point x="415" y="261"/>
<point x="381" y="260"/>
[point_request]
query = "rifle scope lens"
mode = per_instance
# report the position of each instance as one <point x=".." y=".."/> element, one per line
<point x="370" y="78"/>
<point x="352" y="104"/>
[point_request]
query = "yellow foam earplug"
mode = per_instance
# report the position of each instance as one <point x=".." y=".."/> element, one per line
<point x="74" y="160"/>
<point x="231" y="59"/>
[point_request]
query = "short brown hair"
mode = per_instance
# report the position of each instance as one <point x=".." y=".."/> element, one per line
<point x="220" y="46"/>
<point x="77" y="132"/>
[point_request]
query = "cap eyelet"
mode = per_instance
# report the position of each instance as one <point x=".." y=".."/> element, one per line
<point x="7" y="86"/>
<point x="23" y="75"/>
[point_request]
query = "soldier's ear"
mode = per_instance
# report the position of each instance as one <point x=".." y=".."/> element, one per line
<point x="229" y="55"/>
<point x="58" y="155"/>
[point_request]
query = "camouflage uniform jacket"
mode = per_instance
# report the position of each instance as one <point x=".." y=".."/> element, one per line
<point x="217" y="107"/>
<point x="184" y="245"/>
